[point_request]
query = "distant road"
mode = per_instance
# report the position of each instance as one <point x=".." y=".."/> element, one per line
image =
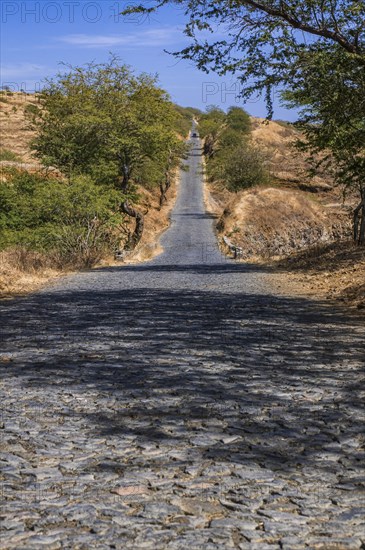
<point x="180" y="404"/>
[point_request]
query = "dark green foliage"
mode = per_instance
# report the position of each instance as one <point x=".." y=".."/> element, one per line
<point x="102" y="119"/>
<point x="329" y="87"/>
<point x="74" y="223"/>
<point x="185" y="118"/>
<point x="243" y="168"/>
<point x="238" y="168"/>
<point x="32" y="111"/>
<point x="238" y="120"/>
<point x="6" y="154"/>
<point x="264" y="38"/>
<point x="231" y="158"/>
<point x="211" y="122"/>
<point x="230" y="138"/>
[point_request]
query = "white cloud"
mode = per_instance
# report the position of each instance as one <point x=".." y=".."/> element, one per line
<point x="151" y="37"/>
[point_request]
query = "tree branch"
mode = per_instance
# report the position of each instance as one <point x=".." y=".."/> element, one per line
<point x="297" y="24"/>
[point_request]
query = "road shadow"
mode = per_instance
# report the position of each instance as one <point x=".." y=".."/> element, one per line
<point x="279" y="376"/>
<point x="222" y="265"/>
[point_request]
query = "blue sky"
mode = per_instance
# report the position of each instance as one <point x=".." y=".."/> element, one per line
<point x="38" y="35"/>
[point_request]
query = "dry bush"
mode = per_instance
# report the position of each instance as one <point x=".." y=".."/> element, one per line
<point x="22" y="270"/>
<point x="83" y="246"/>
<point x="23" y="259"/>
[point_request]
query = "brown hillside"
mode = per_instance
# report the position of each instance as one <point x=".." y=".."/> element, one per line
<point x="15" y="134"/>
<point x="268" y="222"/>
<point x="293" y="212"/>
<point x="286" y="164"/>
<point x="299" y="226"/>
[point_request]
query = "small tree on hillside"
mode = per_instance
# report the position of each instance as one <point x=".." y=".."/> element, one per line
<point x="211" y="124"/>
<point x="232" y="159"/>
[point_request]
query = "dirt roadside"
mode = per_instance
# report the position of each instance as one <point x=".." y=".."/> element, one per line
<point x="333" y="270"/>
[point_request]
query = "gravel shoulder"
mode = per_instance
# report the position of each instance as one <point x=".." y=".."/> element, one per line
<point x="180" y="403"/>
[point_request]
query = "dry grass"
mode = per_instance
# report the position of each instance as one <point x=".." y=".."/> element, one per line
<point x="15" y="134"/>
<point x="335" y="271"/>
<point x="286" y="164"/>
<point x="23" y="271"/>
<point x="271" y="222"/>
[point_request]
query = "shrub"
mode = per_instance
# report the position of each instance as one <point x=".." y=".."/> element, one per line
<point x="5" y="154"/>
<point x="238" y="168"/>
<point x="245" y="168"/>
<point x="82" y="244"/>
<point x="230" y="139"/>
<point x="239" y="120"/>
<point x="74" y="224"/>
<point x="31" y="110"/>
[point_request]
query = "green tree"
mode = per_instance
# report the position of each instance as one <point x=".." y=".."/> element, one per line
<point x="185" y="118"/>
<point x="244" y="167"/>
<point x="262" y="37"/>
<point x="239" y="167"/>
<point x="232" y="159"/>
<point x="239" y="120"/>
<point x="104" y="121"/>
<point x="211" y="124"/>
<point x="329" y="87"/>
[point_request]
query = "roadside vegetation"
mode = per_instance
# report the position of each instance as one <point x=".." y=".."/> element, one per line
<point x="232" y="159"/>
<point x="117" y="133"/>
<point x="106" y="139"/>
<point x="261" y="209"/>
<point x="116" y="128"/>
<point x="7" y="155"/>
<point x="73" y="224"/>
<point x="311" y="54"/>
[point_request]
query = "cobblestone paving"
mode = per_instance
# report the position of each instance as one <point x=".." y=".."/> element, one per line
<point x="180" y="404"/>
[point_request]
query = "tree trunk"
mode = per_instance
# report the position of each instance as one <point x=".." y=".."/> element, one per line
<point x="164" y="187"/>
<point x="162" y="194"/>
<point x="208" y="147"/>
<point x="124" y="177"/>
<point x="359" y="223"/>
<point x="136" y="236"/>
<point x="166" y="184"/>
<point x="124" y="183"/>
<point x="362" y="226"/>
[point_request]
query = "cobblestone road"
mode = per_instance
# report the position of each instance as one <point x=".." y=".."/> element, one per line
<point x="180" y="404"/>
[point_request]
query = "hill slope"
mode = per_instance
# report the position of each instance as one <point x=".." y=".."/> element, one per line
<point x="15" y="135"/>
<point x="296" y="224"/>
